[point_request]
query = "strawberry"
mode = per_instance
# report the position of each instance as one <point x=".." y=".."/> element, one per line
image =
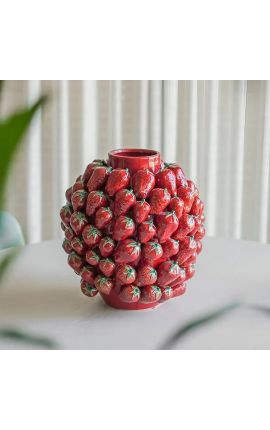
<point x="146" y="231"/>
<point x="197" y="206"/>
<point x="124" y="200"/>
<point x="186" y="194"/>
<point x="143" y="181"/>
<point x="89" y="170"/>
<point x="75" y="261"/>
<point x="78" y="245"/>
<point x="166" y="179"/>
<point x="66" y="245"/>
<point x="91" y="235"/>
<point x="95" y="200"/>
<point x="168" y="272"/>
<point x="186" y="225"/>
<point x="152" y="251"/>
<point x="125" y="274"/>
<point x="198" y="223"/>
<point x="179" y="290"/>
<point x="167" y="224"/>
<point x="63" y="227"/>
<point x="177" y="205"/>
<point x="200" y="233"/>
<point x="124" y="227"/>
<point x="187" y="246"/>
<point x="68" y="194"/>
<point x="141" y="210"/>
<point x="151" y="294"/>
<point x="110" y="228"/>
<point x="98" y="178"/>
<point x="193" y="188"/>
<point x="78" y="221"/>
<point x="190" y="271"/>
<point x="146" y="275"/>
<point x="78" y="185"/>
<point x="127" y="251"/>
<point x="92" y="257"/>
<point x="130" y="294"/>
<point x="103" y="217"/>
<point x="103" y="284"/>
<point x="179" y="174"/>
<point x="191" y="259"/>
<point x="106" y="246"/>
<point x="88" y="289"/>
<point x="78" y="199"/>
<point x="88" y="274"/>
<point x="118" y="179"/>
<point x="69" y="234"/>
<point x="65" y="214"/>
<point x="106" y="266"/>
<point x="167" y="293"/>
<point x="159" y="200"/>
<point x="170" y="248"/>
<point x="199" y="247"/>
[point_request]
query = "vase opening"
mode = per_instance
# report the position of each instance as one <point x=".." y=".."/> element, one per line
<point x="135" y="159"/>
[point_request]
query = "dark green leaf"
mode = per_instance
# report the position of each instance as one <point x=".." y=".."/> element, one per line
<point x="12" y="130"/>
<point x="20" y="336"/>
<point x="198" y="322"/>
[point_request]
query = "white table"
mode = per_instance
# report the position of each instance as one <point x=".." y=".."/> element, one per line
<point x="42" y="296"/>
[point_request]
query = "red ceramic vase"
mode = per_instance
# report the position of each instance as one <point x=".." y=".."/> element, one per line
<point x="133" y="228"/>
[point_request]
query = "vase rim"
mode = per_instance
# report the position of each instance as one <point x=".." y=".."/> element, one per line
<point x="134" y="153"/>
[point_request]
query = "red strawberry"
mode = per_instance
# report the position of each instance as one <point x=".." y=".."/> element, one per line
<point x="197" y="206"/>
<point x="143" y="181"/>
<point x="88" y="289"/>
<point x="167" y="224"/>
<point x="159" y="200"/>
<point x="168" y="272"/>
<point x="190" y="271"/>
<point x="65" y="214"/>
<point x="88" y="274"/>
<point x="152" y="251"/>
<point x="186" y="194"/>
<point x="179" y="290"/>
<point x="170" y="248"/>
<point x="110" y="228"/>
<point x="106" y="246"/>
<point x="78" y="221"/>
<point x="200" y="233"/>
<point x="91" y="235"/>
<point x="198" y="223"/>
<point x="103" y="217"/>
<point x="124" y="227"/>
<point x="167" y="293"/>
<point x="103" y="284"/>
<point x="187" y="246"/>
<point x="130" y="294"/>
<point x="69" y="233"/>
<point x="191" y="259"/>
<point x="78" y="245"/>
<point x="199" y="247"/>
<point x="127" y="251"/>
<point x="98" y="178"/>
<point x="124" y="200"/>
<point x="179" y="174"/>
<point x="66" y="245"/>
<point x="79" y="185"/>
<point x="151" y="294"/>
<point x="63" y="227"/>
<point x="146" y="275"/>
<point x="141" y="210"/>
<point x="146" y="231"/>
<point x="75" y="261"/>
<point x="68" y="194"/>
<point x="166" y="179"/>
<point x="118" y="179"/>
<point x="125" y="274"/>
<point x="92" y="257"/>
<point x="106" y="266"/>
<point x="186" y="225"/>
<point x="95" y="200"/>
<point x="192" y="186"/>
<point x="177" y="205"/>
<point x="78" y="199"/>
<point x="89" y="170"/>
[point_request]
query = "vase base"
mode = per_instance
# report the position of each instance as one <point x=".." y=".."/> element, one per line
<point x="114" y="302"/>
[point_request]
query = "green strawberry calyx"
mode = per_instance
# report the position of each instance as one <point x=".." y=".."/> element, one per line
<point x="93" y="232"/>
<point x="136" y="292"/>
<point x="156" y="247"/>
<point x="129" y="272"/>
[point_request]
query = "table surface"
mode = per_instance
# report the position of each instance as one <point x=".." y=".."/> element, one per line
<point x="41" y="295"/>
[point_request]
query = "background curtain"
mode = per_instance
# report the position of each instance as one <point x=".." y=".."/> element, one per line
<point x="219" y="131"/>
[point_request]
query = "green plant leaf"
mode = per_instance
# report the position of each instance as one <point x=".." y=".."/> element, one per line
<point x="198" y="322"/>
<point x="12" y="130"/>
<point x="23" y="337"/>
<point x="6" y="261"/>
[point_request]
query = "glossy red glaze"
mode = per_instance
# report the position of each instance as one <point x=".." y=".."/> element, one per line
<point x="113" y="300"/>
<point x="135" y="159"/>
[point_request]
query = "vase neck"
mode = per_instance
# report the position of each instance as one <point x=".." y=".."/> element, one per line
<point x="135" y="159"/>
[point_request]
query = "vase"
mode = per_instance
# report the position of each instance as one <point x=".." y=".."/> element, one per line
<point x="133" y="227"/>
